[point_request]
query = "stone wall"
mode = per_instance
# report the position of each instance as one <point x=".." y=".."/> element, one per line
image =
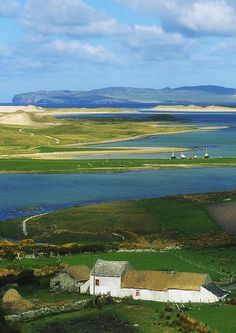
<point x="45" y="311"/>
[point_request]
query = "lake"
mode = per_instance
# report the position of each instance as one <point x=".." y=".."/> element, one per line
<point x="51" y="192"/>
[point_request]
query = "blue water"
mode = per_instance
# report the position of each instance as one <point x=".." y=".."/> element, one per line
<point x="220" y="143"/>
<point x="52" y="192"/>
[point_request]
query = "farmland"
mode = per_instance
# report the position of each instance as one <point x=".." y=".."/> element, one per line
<point x="135" y="317"/>
<point x="219" y="262"/>
<point x="138" y="223"/>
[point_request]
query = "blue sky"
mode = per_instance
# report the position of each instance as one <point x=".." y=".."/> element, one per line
<point x="86" y="44"/>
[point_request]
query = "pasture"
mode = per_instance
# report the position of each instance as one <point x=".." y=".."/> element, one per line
<point x="138" y="223"/>
<point x="218" y="262"/>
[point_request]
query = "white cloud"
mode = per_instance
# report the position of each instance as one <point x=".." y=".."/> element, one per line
<point x="153" y="43"/>
<point x="69" y="17"/>
<point x="199" y="17"/>
<point x="9" y="7"/>
<point x="95" y="53"/>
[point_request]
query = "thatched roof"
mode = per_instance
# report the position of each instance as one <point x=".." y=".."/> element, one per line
<point x="111" y="268"/>
<point x="13" y="301"/>
<point x="79" y="273"/>
<point x="162" y="281"/>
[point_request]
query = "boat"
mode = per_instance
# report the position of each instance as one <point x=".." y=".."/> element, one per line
<point x="206" y="155"/>
<point x="173" y="157"/>
<point x="182" y="156"/>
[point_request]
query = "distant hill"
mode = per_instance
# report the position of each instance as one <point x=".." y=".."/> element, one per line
<point x="130" y="97"/>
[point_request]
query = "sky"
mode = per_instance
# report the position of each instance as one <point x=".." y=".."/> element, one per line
<point x="88" y="44"/>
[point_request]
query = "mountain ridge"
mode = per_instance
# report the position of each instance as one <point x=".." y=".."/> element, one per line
<point x="130" y="96"/>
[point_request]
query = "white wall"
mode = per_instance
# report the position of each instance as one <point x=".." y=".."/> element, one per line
<point x="107" y="285"/>
<point x="112" y="285"/>
<point x="207" y="296"/>
<point x="172" y="295"/>
<point x="184" y="296"/>
<point x="84" y="288"/>
<point x="145" y="294"/>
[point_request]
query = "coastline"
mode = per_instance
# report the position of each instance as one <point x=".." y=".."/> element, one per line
<point x="193" y="108"/>
<point x="143" y="136"/>
<point x="91" y="154"/>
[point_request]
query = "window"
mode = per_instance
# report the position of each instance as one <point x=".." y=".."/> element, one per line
<point x="137" y="292"/>
<point x="97" y="282"/>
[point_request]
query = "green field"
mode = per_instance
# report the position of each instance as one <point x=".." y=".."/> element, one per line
<point x="56" y="133"/>
<point x="218" y="262"/>
<point x="103" y="165"/>
<point x="135" y="317"/>
<point x="152" y="221"/>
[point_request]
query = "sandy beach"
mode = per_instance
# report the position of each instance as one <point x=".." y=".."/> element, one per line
<point x="106" y="152"/>
<point x="193" y="108"/>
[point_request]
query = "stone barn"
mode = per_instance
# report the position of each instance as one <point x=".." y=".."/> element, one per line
<point x="72" y="279"/>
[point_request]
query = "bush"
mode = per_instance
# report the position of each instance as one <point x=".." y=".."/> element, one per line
<point x="5" y="327"/>
<point x="26" y="278"/>
<point x="9" y="279"/>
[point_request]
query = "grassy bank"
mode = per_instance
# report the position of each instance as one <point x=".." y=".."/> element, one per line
<point x="136" y="317"/>
<point x="104" y="165"/>
<point x="138" y="223"/>
<point x="48" y="131"/>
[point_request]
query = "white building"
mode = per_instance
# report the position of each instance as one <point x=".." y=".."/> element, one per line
<point x="119" y="280"/>
<point x="108" y="277"/>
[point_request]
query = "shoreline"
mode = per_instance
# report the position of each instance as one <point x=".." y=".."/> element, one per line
<point x="113" y="150"/>
<point x="108" y="151"/>
<point x="143" y="136"/>
<point x="193" y="108"/>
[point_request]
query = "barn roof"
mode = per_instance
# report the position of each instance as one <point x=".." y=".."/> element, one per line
<point x="217" y="291"/>
<point x="111" y="268"/>
<point x="80" y="272"/>
<point x="162" y="281"/>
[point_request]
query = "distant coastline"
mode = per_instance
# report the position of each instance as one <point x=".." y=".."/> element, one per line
<point x="194" y="108"/>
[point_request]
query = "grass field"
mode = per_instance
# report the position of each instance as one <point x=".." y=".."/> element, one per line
<point x="218" y="262"/>
<point x="135" y="317"/>
<point x="55" y="133"/>
<point x="152" y="221"/>
<point x="104" y="165"/>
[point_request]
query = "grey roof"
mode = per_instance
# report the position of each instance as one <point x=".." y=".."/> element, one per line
<point x="217" y="291"/>
<point x="111" y="268"/>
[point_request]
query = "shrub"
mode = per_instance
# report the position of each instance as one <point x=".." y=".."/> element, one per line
<point x="26" y="277"/>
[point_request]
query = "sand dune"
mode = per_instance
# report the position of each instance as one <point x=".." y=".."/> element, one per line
<point x="27" y="108"/>
<point x="19" y="118"/>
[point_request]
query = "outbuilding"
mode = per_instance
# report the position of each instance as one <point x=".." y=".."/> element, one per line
<point x="72" y="279"/>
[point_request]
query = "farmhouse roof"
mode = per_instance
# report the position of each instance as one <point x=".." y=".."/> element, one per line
<point x="163" y="280"/>
<point x="111" y="268"/>
<point x="217" y="291"/>
<point x="79" y="272"/>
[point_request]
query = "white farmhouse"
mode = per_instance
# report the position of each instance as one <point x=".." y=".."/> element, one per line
<point x="119" y="280"/>
<point x="106" y="277"/>
<point x="170" y="287"/>
<point x="72" y="279"/>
